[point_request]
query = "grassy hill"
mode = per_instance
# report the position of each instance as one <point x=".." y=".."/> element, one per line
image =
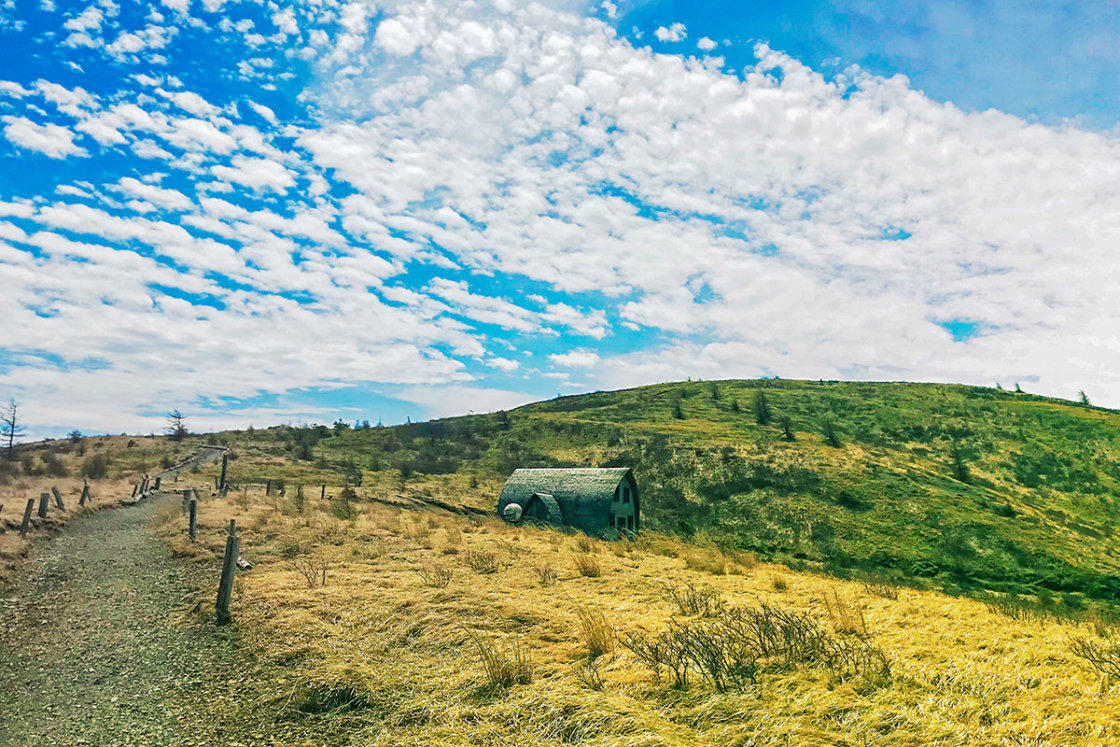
<point x="968" y="486"/>
<point x="400" y="611"/>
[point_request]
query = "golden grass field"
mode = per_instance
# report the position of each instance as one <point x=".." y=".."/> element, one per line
<point x="385" y="654"/>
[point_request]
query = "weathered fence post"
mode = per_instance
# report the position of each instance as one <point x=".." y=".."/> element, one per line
<point x="135" y="487"/>
<point x="323" y="493"/>
<point x="85" y="495"/>
<point x="27" y="517"/>
<point x="44" y="500"/>
<point x="186" y="499"/>
<point x="58" y="498"/>
<point x="192" y="526"/>
<point x="268" y="487"/>
<point x="229" y="565"/>
<point x="222" y="485"/>
<point x="144" y="486"/>
<point x="156" y="486"/>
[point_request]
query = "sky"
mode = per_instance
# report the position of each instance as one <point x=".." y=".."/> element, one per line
<point x="258" y="213"/>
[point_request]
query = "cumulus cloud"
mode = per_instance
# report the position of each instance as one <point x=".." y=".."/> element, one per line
<point x="673" y="33"/>
<point x="575" y="359"/>
<point x="706" y="45"/>
<point x="256" y="173"/>
<point x="53" y="141"/>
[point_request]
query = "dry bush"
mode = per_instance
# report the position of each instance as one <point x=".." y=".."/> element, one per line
<point x="881" y="588"/>
<point x="844" y="617"/>
<point x="694" y="599"/>
<point x="585" y="543"/>
<point x="596" y="631"/>
<point x="730" y="650"/>
<point x="313" y="569"/>
<point x="546" y="574"/>
<point x="503" y="669"/>
<point x="454" y="535"/>
<point x="586" y="565"/>
<point x="513" y="549"/>
<point x="588" y="674"/>
<point x="482" y="561"/>
<point x="778" y="582"/>
<point x="1102" y="656"/>
<point x="435" y="575"/>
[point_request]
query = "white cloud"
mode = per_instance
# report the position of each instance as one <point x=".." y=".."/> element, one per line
<point x="706" y="45"/>
<point x="673" y="33"/>
<point x="54" y="141"/>
<point x="169" y="199"/>
<point x="575" y="359"/>
<point x="260" y="174"/>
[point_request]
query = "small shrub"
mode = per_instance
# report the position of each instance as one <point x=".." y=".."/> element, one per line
<point x="53" y="465"/>
<point x="435" y="575"/>
<point x="503" y="670"/>
<point x="693" y="599"/>
<point x="732" y="649"/>
<point x="482" y="561"/>
<point x="587" y="565"/>
<point x="779" y="583"/>
<point x="1102" y="656"/>
<point x="96" y="467"/>
<point x="708" y="560"/>
<point x="585" y="543"/>
<point x="596" y="631"/>
<point x="313" y="569"/>
<point x="588" y="674"/>
<point x="546" y="575"/>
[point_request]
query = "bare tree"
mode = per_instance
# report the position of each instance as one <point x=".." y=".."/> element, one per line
<point x="10" y="426"/>
<point x="176" y="425"/>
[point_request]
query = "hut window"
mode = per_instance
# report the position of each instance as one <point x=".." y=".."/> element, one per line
<point x="625" y="494"/>
<point x="616" y="496"/>
<point x="629" y="522"/>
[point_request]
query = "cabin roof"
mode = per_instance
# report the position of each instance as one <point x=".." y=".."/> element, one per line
<point x="573" y="483"/>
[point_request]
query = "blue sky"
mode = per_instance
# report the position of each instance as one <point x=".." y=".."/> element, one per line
<point x="258" y="213"/>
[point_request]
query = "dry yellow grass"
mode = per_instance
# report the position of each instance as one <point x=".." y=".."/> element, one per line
<point x="391" y="659"/>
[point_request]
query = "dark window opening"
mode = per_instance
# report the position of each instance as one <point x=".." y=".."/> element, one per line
<point x="616" y="496"/>
<point x="625" y="495"/>
<point x="629" y="522"/>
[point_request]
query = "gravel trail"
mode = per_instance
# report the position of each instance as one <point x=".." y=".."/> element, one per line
<point x="88" y="651"/>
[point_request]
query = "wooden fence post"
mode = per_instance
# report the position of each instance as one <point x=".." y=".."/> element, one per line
<point x="27" y="517"/>
<point x="192" y="527"/>
<point x="186" y="499"/>
<point x="44" y="500"/>
<point x="268" y="487"/>
<point x="222" y="485"/>
<point x="156" y="487"/>
<point x="135" y="487"/>
<point x="85" y="495"/>
<point x="58" y="498"/>
<point x="229" y="565"/>
<point x="323" y="493"/>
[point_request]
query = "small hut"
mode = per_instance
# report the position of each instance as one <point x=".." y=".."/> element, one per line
<point x="594" y="500"/>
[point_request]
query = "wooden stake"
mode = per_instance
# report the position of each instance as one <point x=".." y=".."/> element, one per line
<point x="192" y="527"/>
<point x="44" y="501"/>
<point x="156" y="487"/>
<point x="222" y="485"/>
<point x="229" y="565"/>
<point x="323" y="493"/>
<point x="27" y="517"/>
<point x="85" y="496"/>
<point x="58" y="498"/>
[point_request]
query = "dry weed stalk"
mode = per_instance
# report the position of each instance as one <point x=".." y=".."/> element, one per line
<point x="313" y="569"/>
<point x="586" y="565"/>
<point x="596" y="631"/>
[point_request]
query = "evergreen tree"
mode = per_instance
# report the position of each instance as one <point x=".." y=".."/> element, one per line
<point x="678" y="413"/>
<point x="831" y="437"/>
<point x="762" y="409"/>
<point x="735" y="406"/>
<point x="787" y="429"/>
<point x="1083" y="398"/>
<point x="960" y="469"/>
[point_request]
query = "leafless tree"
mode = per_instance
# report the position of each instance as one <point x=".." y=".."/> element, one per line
<point x="176" y="425"/>
<point x="11" y="427"/>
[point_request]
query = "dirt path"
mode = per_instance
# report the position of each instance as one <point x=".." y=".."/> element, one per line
<point x="88" y="655"/>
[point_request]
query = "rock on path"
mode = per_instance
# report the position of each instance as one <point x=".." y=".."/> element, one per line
<point x="88" y="654"/>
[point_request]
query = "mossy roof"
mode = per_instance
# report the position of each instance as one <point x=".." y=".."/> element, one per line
<point x="573" y="483"/>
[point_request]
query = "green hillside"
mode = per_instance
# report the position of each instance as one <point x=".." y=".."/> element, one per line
<point x="969" y="486"/>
